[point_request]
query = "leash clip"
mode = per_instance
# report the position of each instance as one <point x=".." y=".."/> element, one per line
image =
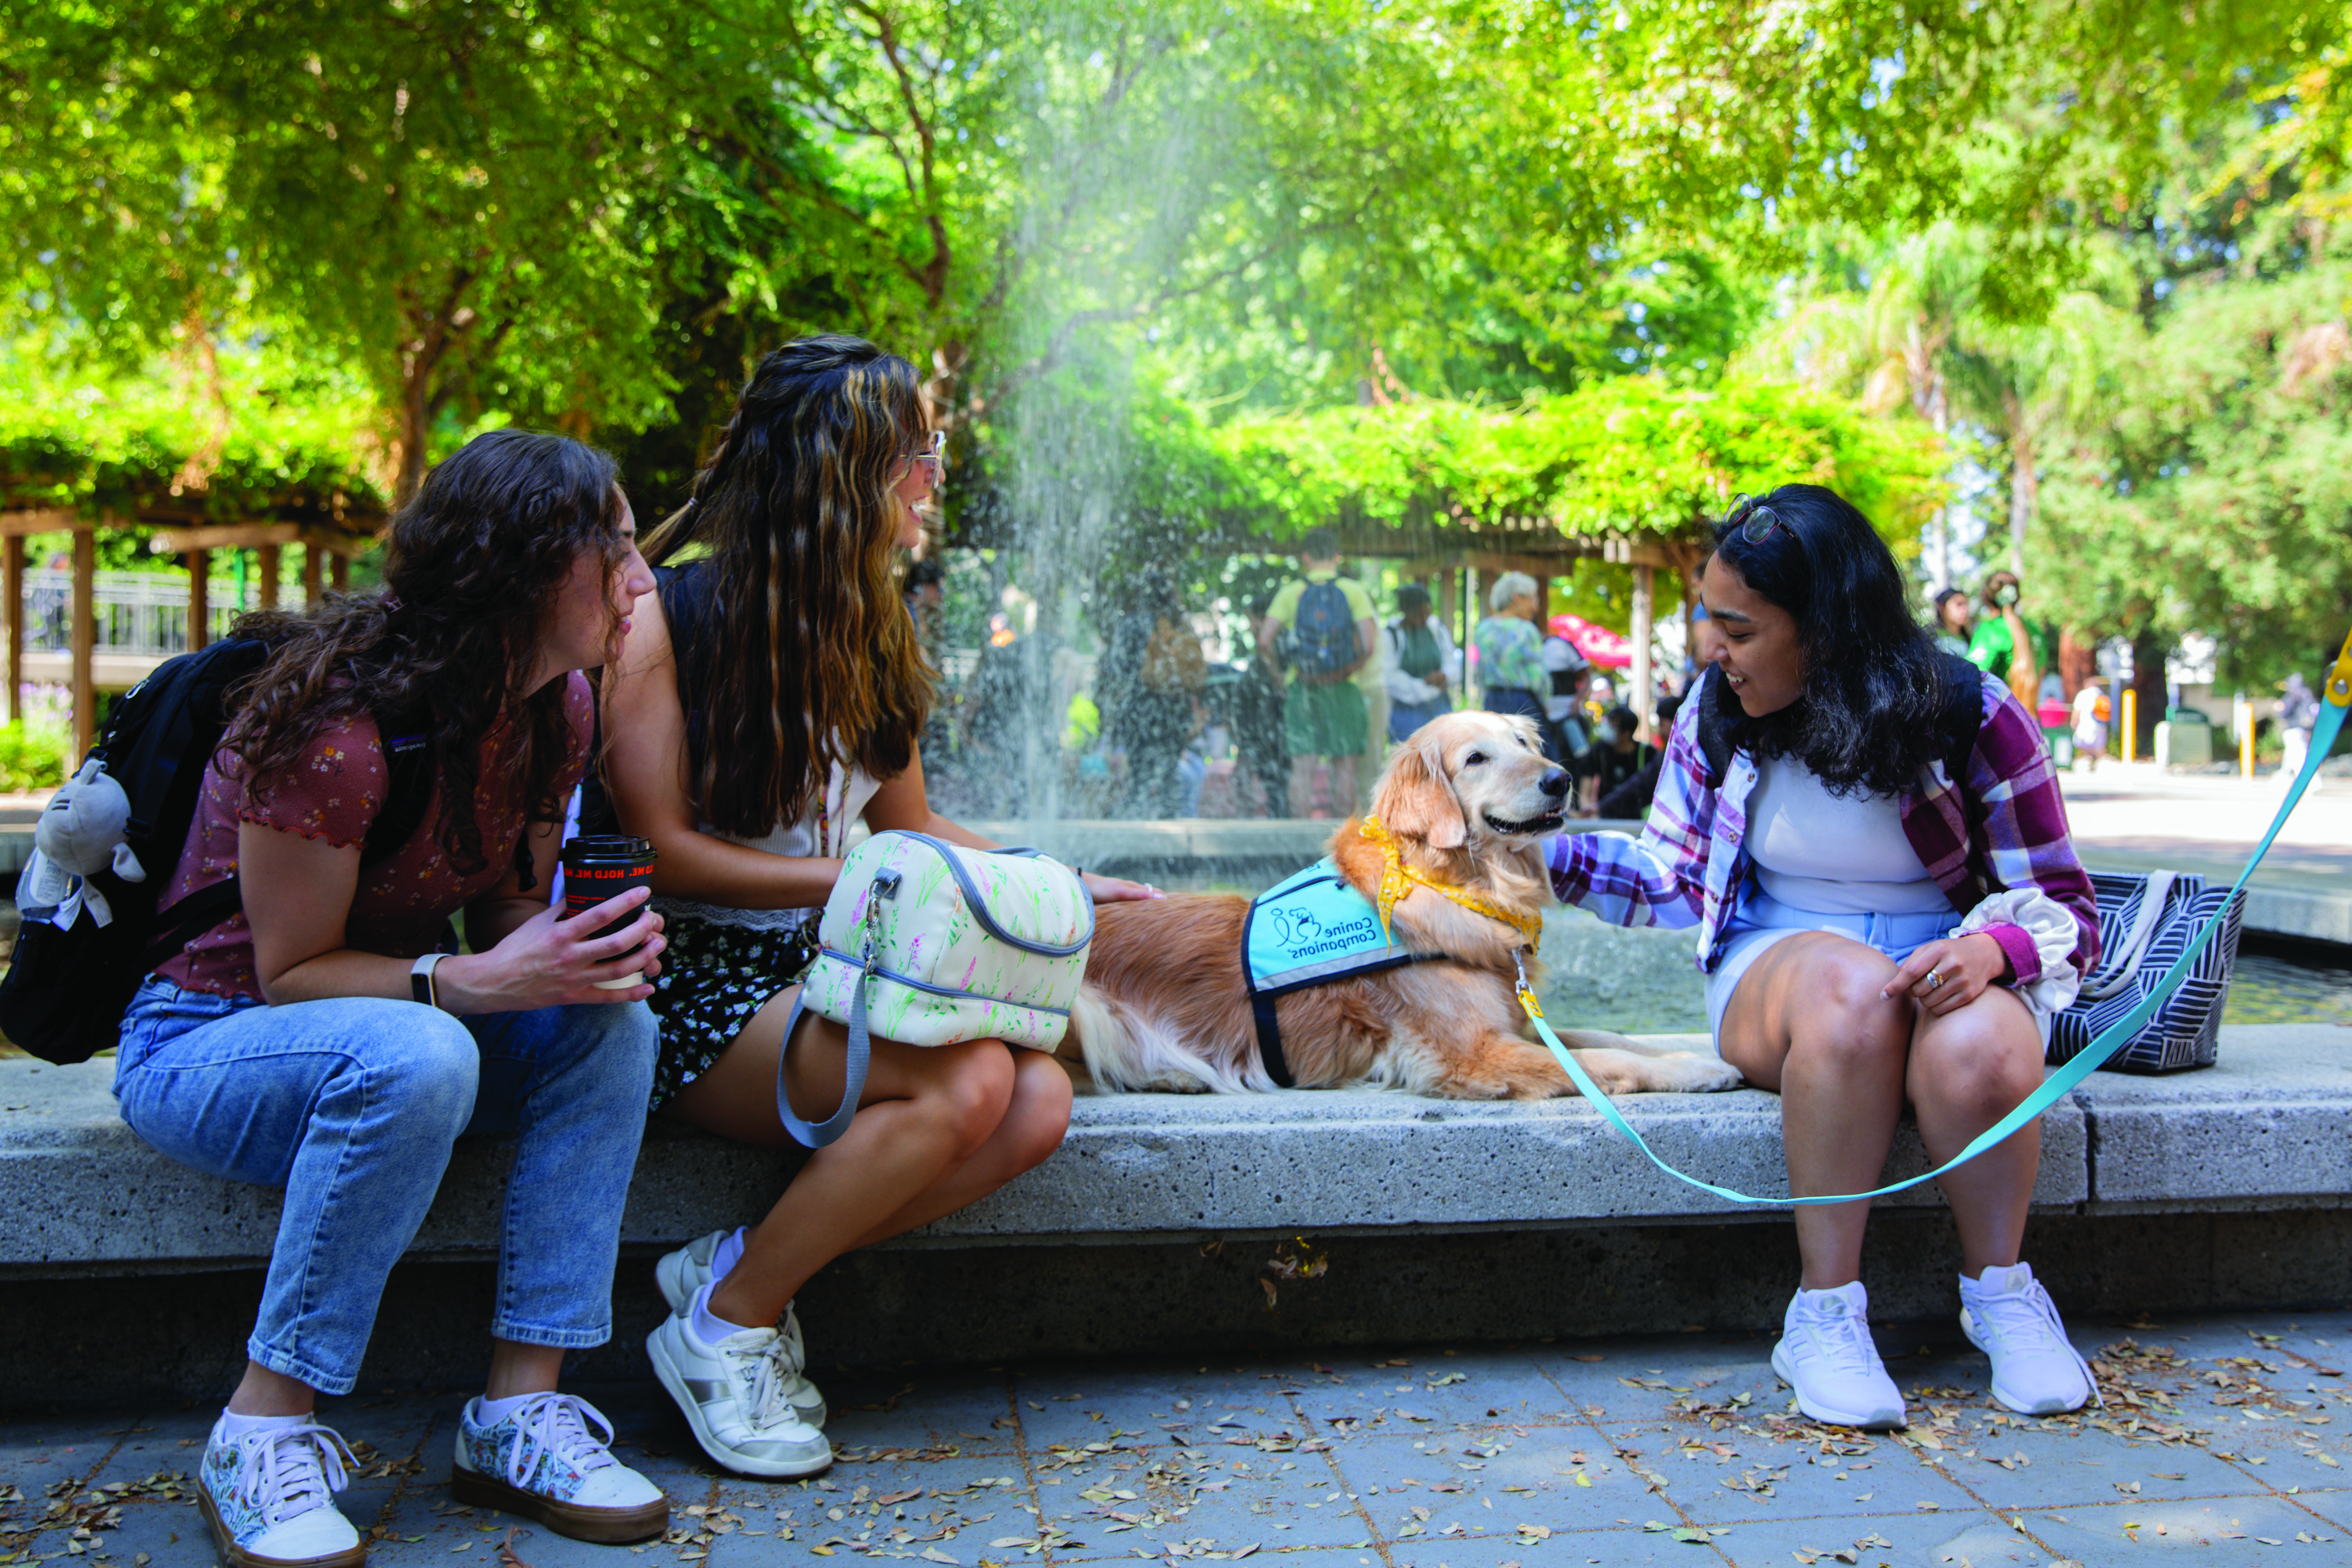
<point x="1527" y="994"/>
<point x="2339" y="679"/>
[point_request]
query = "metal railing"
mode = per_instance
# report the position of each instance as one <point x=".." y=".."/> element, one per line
<point x="137" y="612"/>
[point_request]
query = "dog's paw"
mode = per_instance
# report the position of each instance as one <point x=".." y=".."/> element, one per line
<point x="1695" y="1072"/>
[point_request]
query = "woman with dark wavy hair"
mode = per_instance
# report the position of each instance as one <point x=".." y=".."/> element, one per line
<point x="1868" y="836"/>
<point x="329" y="1039"/>
<point x="770" y="695"/>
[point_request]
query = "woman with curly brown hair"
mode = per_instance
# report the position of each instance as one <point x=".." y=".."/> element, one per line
<point x="327" y="1038"/>
<point x="769" y="696"/>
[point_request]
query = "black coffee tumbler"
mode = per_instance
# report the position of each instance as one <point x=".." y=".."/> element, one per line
<point x="598" y="867"/>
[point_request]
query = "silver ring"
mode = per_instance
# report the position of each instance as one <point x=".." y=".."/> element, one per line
<point x="1935" y="980"/>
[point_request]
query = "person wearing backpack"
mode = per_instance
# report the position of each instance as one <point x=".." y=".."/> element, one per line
<point x="1324" y="626"/>
<point x="1867" y="835"/>
<point x="327" y="1038"/>
<point x="770" y="695"/>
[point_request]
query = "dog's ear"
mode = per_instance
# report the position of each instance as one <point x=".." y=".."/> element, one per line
<point x="1416" y="801"/>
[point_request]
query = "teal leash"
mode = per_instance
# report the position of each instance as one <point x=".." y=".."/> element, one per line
<point x="2058" y="1084"/>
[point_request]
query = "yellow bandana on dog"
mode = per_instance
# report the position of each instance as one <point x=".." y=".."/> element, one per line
<point x="1397" y="880"/>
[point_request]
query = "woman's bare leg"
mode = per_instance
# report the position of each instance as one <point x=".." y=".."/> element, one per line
<point x="1031" y="1130"/>
<point x="1808" y="1022"/>
<point x="1968" y="1070"/>
<point x="938" y="1127"/>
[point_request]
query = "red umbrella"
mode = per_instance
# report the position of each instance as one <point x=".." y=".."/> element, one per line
<point x="1599" y="644"/>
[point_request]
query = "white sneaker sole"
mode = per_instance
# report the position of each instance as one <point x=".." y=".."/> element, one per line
<point x="2057" y="1405"/>
<point x="674" y="1383"/>
<point x="679" y="1277"/>
<point x="1878" y="1421"/>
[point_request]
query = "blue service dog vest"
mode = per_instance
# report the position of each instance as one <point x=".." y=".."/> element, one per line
<point x="1308" y="929"/>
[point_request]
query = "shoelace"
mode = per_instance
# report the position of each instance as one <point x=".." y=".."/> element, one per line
<point x="2029" y="1319"/>
<point x="558" y="1424"/>
<point x="1843" y="1338"/>
<point x="289" y="1471"/>
<point x="771" y="1376"/>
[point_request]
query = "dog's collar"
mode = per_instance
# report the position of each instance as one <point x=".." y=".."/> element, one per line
<point x="1397" y="880"/>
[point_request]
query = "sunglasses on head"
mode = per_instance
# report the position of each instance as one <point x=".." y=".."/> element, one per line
<point x="1754" y="519"/>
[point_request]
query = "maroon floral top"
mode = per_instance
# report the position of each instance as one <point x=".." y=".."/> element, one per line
<point x="332" y="792"/>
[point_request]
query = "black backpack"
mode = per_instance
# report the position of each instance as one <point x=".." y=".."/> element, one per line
<point x="65" y="992"/>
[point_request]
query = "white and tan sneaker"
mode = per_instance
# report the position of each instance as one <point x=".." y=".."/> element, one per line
<point x="1826" y="1354"/>
<point x="732" y="1394"/>
<point x="682" y="1273"/>
<point x="2036" y="1370"/>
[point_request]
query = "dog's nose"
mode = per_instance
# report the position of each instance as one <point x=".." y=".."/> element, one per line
<point x="1555" y="782"/>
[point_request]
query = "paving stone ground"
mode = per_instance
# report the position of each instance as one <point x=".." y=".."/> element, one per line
<point x="2223" y="1441"/>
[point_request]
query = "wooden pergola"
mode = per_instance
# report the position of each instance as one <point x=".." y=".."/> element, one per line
<point x="330" y="530"/>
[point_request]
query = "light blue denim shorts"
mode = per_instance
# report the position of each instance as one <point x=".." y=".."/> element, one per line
<point x="1762" y="920"/>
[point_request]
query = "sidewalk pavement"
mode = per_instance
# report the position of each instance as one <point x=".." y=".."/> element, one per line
<point x="2221" y="1435"/>
<point x="2135" y="818"/>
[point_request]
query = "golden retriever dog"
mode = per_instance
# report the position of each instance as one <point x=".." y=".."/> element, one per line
<point x="1468" y="800"/>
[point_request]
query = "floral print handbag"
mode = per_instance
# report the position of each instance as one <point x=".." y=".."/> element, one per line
<point x="929" y="944"/>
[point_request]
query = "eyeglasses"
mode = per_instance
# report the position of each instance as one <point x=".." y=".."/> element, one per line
<point x="933" y="457"/>
<point x="1754" y="519"/>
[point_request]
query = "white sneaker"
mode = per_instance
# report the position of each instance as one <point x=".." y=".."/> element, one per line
<point x="2036" y="1371"/>
<point x="269" y="1497"/>
<point x="1825" y="1353"/>
<point x="682" y="1273"/>
<point x="732" y="1394"/>
<point x="543" y="1461"/>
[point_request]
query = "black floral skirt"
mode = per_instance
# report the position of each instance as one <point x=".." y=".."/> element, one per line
<point x="713" y="979"/>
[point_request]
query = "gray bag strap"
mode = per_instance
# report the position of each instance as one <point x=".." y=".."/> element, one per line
<point x="861" y="1046"/>
<point x="2116" y="973"/>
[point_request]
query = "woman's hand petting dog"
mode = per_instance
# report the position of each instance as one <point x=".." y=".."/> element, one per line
<point x="1944" y="977"/>
<point x="1117" y="889"/>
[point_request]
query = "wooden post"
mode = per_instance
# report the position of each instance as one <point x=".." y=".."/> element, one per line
<point x="1645" y="704"/>
<point x="338" y="571"/>
<point x="200" y="588"/>
<point x="265" y="558"/>
<point x="12" y="587"/>
<point x="83" y="641"/>
<point x="310" y="565"/>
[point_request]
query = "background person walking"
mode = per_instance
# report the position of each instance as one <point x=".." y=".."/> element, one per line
<point x="1326" y="626"/>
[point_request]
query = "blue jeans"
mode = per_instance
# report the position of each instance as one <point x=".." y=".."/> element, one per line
<point x="352" y="1105"/>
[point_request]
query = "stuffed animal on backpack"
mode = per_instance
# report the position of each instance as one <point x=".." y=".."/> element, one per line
<point x="81" y="834"/>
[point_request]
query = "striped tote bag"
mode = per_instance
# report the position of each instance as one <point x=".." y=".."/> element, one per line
<point x="2144" y="922"/>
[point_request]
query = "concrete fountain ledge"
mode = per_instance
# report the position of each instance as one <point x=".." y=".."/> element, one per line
<point x="80" y="1195"/>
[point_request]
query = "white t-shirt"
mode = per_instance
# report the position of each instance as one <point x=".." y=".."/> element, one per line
<point x="820" y="832"/>
<point x="1834" y="854"/>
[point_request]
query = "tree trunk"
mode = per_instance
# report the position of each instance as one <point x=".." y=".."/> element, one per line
<point x="414" y="424"/>
<point x="2024" y="483"/>
<point x="2148" y="653"/>
<point x="2078" y="660"/>
<point x="1939" y="563"/>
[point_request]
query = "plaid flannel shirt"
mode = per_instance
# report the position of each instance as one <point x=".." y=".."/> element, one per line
<point x="2004" y="827"/>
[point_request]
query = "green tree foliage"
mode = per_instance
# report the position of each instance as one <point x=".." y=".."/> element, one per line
<point x="2213" y="492"/>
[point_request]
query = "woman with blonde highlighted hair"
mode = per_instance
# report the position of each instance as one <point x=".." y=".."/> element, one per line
<point x="770" y="694"/>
